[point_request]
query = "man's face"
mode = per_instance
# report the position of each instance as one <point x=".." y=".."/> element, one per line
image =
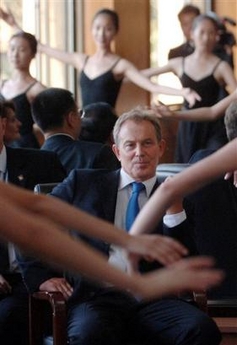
<point x="138" y="149"/>
<point x="186" y="22"/>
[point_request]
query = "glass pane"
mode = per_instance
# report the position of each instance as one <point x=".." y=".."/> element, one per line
<point x="53" y="23"/>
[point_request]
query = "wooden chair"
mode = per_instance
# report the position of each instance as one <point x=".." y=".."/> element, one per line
<point x="38" y="306"/>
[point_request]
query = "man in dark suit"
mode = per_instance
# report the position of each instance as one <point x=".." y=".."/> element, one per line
<point x="56" y="113"/>
<point x="101" y="314"/>
<point x="215" y="211"/>
<point x="25" y="168"/>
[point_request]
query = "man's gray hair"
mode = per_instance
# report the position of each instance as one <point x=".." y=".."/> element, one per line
<point x="230" y="120"/>
<point x="137" y="114"/>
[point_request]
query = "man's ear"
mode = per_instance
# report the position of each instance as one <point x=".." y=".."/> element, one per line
<point x="116" y="151"/>
<point x="162" y="147"/>
<point x="70" y="118"/>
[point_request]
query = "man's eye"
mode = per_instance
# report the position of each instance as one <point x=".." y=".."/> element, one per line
<point x="148" y="143"/>
<point x="129" y="145"/>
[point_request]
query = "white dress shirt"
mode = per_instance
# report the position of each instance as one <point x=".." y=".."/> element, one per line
<point x="124" y="192"/>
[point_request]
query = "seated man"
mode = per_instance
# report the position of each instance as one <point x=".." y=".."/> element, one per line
<point x="101" y="314"/>
<point x="56" y="113"/>
<point x="25" y="168"/>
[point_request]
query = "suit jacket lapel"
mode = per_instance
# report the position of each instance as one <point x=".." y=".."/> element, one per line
<point x="156" y="185"/>
<point x="108" y="187"/>
<point x="4" y="262"/>
<point x="15" y="168"/>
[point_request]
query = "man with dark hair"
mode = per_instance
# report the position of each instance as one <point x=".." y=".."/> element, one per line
<point x="186" y="16"/>
<point x="56" y="113"/>
<point x="222" y="49"/>
<point x="230" y="121"/>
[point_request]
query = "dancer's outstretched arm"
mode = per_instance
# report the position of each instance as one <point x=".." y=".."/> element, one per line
<point x="199" y="114"/>
<point x="189" y="180"/>
<point x="161" y="248"/>
<point x="37" y="233"/>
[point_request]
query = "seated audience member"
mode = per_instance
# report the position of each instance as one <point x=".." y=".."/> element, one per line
<point x="56" y="113"/>
<point x="102" y="314"/>
<point x="25" y="168"/>
<point x="97" y="123"/>
<point x="215" y="212"/>
<point x="12" y="128"/>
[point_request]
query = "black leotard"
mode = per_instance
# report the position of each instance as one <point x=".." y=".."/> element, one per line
<point x="104" y="88"/>
<point x="193" y="136"/>
<point x="23" y="113"/>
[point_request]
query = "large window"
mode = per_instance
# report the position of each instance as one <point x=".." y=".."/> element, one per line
<point x="53" y="22"/>
<point x="166" y="33"/>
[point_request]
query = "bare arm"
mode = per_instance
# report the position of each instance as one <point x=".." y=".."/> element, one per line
<point x="45" y="239"/>
<point x="199" y="114"/>
<point x="8" y="17"/>
<point x="162" y="249"/>
<point x="184" y="183"/>
<point x="135" y="76"/>
<point x="73" y="59"/>
<point x="171" y="66"/>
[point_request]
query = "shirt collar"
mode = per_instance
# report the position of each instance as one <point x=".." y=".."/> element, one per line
<point x="3" y="160"/>
<point x="126" y="179"/>
<point x="57" y="134"/>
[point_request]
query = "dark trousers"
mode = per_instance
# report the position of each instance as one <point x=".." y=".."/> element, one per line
<point x="14" y="324"/>
<point x="113" y="318"/>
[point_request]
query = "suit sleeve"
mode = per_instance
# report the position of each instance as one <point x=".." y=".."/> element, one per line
<point x="58" y="173"/>
<point x="184" y="233"/>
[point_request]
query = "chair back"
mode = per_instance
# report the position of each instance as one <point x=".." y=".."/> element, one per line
<point x="44" y="188"/>
<point x="165" y="170"/>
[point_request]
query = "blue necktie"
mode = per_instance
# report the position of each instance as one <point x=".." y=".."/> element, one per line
<point x="133" y="206"/>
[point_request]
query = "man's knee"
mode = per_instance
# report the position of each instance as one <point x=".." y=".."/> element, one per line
<point x="202" y="330"/>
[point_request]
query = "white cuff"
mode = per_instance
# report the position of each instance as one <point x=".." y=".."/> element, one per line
<point x="172" y="220"/>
